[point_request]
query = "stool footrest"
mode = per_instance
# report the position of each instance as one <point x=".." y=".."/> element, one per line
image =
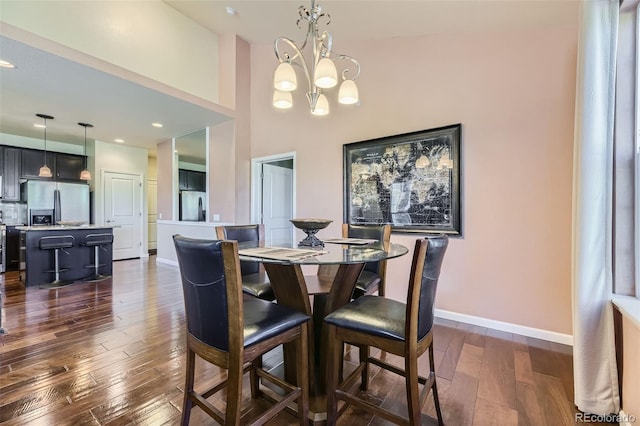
<point x="51" y="271"/>
<point x="93" y="266"/>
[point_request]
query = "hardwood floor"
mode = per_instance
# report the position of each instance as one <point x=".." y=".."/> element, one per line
<point x="111" y="353"/>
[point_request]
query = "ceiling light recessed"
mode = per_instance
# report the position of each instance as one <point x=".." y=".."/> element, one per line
<point x="231" y="11"/>
<point x="118" y="140"/>
<point x="39" y="126"/>
<point x="156" y="124"/>
<point x="6" y="64"/>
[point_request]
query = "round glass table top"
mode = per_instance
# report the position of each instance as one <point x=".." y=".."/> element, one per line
<point x="327" y="255"/>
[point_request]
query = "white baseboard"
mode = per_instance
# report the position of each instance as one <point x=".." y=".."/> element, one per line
<point x="167" y="261"/>
<point x="552" y="336"/>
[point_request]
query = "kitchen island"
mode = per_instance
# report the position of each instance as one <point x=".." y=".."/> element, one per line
<point x="75" y="261"/>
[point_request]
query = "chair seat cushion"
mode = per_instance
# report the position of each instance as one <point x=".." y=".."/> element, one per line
<point x="263" y="320"/>
<point x="374" y="315"/>
<point x="258" y="285"/>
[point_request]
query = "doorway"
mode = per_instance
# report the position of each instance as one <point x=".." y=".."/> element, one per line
<point x="273" y="196"/>
<point x="123" y="210"/>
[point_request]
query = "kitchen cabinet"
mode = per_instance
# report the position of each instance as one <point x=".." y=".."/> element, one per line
<point x="13" y="249"/>
<point x="32" y="160"/>
<point x="74" y="260"/>
<point x="68" y="166"/>
<point x="11" y="173"/>
<point x="191" y="180"/>
<point x="63" y="166"/>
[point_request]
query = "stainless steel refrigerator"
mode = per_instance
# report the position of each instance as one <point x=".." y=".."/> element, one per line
<point x="192" y="205"/>
<point x="69" y="201"/>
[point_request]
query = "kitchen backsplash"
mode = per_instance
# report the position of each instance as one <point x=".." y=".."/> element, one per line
<point x="13" y="212"/>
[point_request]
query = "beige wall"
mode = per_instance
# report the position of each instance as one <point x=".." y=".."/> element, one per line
<point x="148" y="29"/>
<point x="222" y="172"/>
<point x="243" y="132"/>
<point x="164" y="159"/>
<point x="514" y="95"/>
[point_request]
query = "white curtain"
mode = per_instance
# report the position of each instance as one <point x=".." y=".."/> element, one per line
<point x="595" y="372"/>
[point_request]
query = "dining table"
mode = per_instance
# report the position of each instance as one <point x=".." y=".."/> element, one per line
<point x="316" y="295"/>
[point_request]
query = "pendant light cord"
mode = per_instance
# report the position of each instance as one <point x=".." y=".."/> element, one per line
<point x="45" y="141"/>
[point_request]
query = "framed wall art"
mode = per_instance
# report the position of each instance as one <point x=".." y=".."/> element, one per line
<point x="411" y="181"/>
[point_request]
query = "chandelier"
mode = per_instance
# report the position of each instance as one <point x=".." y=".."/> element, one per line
<point x="321" y="72"/>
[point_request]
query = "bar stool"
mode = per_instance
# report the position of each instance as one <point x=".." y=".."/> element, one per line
<point x="97" y="241"/>
<point x="57" y="243"/>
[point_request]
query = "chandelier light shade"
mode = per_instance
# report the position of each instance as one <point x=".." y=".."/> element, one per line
<point x="282" y="100"/>
<point x="45" y="171"/>
<point x="322" y="106"/>
<point x="319" y="70"/>
<point x="326" y="75"/>
<point x="284" y="79"/>
<point x="85" y="174"/>
<point x="348" y="94"/>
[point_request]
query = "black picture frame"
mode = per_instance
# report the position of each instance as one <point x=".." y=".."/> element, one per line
<point x="410" y="181"/>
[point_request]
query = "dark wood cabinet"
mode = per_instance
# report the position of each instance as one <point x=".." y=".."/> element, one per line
<point x="32" y="160"/>
<point x="68" y="166"/>
<point x="182" y="180"/>
<point x="13" y="249"/>
<point x="11" y="173"/>
<point x="195" y="181"/>
<point x="191" y="180"/>
<point x="63" y="166"/>
<point x="24" y="163"/>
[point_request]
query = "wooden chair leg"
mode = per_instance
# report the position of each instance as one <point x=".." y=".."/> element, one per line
<point x="302" y="374"/>
<point x="187" y="404"/>
<point x="333" y="358"/>
<point x="254" y="380"/>
<point x="341" y="364"/>
<point x="412" y="388"/>
<point x="436" y="401"/>
<point x="234" y="391"/>
<point x="363" y="354"/>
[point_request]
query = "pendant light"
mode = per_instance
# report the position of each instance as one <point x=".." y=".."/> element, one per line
<point x="45" y="171"/>
<point x="85" y="174"/>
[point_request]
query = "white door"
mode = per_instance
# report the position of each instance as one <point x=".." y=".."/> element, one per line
<point x="277" y="204"/>
<point x="123" y="210"/>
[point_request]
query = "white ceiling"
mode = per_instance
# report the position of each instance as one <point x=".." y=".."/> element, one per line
<point x="46" y="83"/>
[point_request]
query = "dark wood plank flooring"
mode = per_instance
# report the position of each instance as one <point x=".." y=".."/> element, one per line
<point x="111" y="353"/>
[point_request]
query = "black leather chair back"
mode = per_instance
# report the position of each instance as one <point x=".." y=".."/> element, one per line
<point x="436" y="248"/>
<point x="242" y="233"/>
<point x="373" y="232"/>
<point x="205" y="290"/>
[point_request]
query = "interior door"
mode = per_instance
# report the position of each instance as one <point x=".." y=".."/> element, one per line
<point x="123" y="210"/>
<point x="277" y="204"/>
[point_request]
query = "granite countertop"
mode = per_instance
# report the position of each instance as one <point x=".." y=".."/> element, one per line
<point x="61" y="227"/>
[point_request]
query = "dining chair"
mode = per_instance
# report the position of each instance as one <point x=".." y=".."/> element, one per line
<point x="254" y="280"/>
<point x="402" y="329"/>
<point x="233" y="332"/>
<point x="373" y="276"/>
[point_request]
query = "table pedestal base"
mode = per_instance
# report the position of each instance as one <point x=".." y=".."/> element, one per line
<point x="290" y="289"/>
